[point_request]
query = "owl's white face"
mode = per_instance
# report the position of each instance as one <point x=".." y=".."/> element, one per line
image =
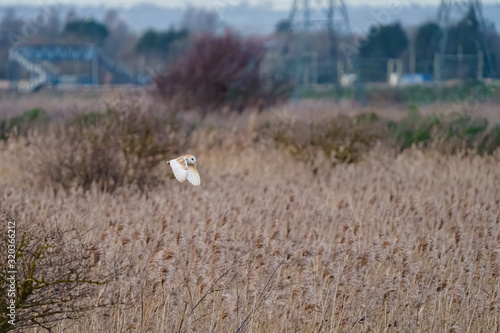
<point x="191" y="159"/>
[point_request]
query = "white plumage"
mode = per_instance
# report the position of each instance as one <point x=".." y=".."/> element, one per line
<point x="184" y="168"/>
<point x="193" y="176"/>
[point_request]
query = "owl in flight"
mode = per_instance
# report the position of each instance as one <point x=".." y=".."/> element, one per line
<point x="184" y="168"/>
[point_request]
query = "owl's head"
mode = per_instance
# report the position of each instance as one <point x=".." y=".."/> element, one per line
<point x="191" y="159"/>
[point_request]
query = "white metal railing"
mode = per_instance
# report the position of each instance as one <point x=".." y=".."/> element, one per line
<point x="41" y="77"/>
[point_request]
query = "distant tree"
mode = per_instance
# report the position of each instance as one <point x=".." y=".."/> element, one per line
<point x="147" y="42"/>
<point x="54" y="26"/>
<point x="15" y="31"/>
<point x="465" y="34"/>
<point x="426" y="44"/>
<point x="120" y="44"/>
<point x="71" y="16"/>
<point x="283" y="26"/>
<point x="387" y="41"/>
<point x="221" y="71"/>
<point x="112" y="19"/>
<point x="159" y="43"/>
<point x="382" y="43"/>
<point x="49" y="31"/>
<point x="87" y="31"/>
<point x="10" y="28"/>
<point x="494" y="41"/>
<point x="10" y="35"/>
<point x="467" y="37"/>
<point x="200" y="20"/>
<point x="168" y="38"/>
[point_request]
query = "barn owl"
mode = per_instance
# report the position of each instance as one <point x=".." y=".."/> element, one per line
<point x="184" y="168"/>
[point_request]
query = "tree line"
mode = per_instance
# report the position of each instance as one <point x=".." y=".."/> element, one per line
<point x="157" y="47"/>
<point x="152" y="47"/>
<point x="464" y="40"/>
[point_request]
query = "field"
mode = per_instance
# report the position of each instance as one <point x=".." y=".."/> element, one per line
<point x="385" y="236"/>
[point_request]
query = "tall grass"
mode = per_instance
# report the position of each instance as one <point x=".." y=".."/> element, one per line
<point x="396" y="242"/>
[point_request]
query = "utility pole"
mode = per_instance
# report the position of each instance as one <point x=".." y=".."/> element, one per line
<point x="448" y="10"/>
<point x="336" y="27"/>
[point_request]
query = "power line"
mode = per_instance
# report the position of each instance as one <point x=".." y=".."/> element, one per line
<point x="447" y="12"/>
<point x="332" y="19"/>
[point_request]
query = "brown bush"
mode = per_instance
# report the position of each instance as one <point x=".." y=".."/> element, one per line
<point x="222" y="71"/>
<point x="111" y="149"/>
<point x="342" y="139"/>
<point x="54" y="275"/>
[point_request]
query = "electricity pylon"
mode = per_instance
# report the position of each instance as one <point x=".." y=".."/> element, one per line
<point x="330" y="17"/>
<point x="447" y="15"/>
<point x="338" y="28"/>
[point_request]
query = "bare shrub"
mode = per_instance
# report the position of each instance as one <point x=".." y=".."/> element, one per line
<point x="51" y="278"/>
<point x="112" y="149"/>
<point x="221" y="71"/>
<point x="451" y="134"/>
<point x="347" y="139"/>
<point x="342" y="139"/>
<point x="21" y="125"/>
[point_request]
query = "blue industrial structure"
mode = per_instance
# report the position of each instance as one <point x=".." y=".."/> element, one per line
<point x="31" y="58"/>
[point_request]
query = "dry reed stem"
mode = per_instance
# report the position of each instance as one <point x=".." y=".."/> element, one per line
<point x="373" y="246"/>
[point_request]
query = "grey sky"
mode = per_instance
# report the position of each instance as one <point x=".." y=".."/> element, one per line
<point x="277" y="4"/>
<point x="249" y="16"/>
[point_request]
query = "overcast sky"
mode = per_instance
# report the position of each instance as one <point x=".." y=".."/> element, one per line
<point x="277" y="4"/>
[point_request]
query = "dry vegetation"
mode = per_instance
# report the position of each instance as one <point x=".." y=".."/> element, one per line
<point x="398" y="242"/>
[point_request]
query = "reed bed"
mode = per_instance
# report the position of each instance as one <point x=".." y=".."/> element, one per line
<point x="397" y="242"/>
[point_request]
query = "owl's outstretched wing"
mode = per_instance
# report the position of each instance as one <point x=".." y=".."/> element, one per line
<point x="193" y="176"/>
<point x="179" y="168"/>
